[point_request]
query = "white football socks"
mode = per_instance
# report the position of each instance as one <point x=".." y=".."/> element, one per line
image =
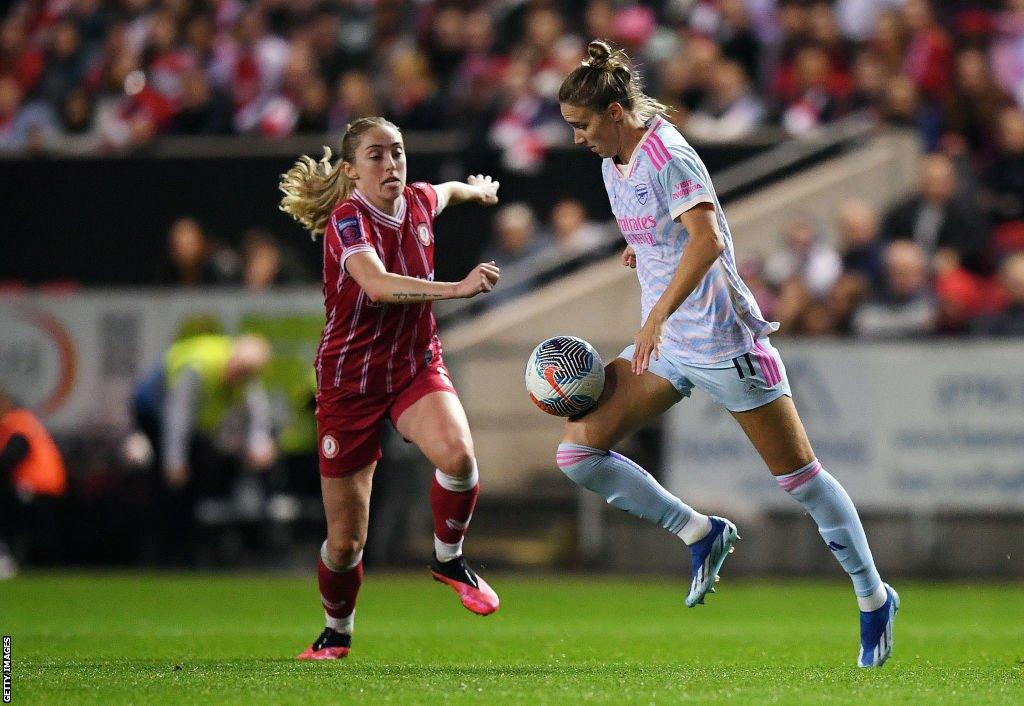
<point x="695" y="529"/>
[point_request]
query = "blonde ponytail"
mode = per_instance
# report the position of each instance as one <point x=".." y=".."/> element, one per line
<point x="311" y="188"/>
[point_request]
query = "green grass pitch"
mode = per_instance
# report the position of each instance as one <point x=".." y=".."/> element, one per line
<point x="158" y="638"/>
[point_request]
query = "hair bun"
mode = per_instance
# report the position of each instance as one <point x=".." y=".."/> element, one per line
<point x="600" y="52"/>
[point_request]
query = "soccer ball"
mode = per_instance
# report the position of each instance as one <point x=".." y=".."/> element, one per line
<point x="564" y="376"/>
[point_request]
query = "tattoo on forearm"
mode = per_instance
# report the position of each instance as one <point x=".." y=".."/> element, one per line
<point x="415" y="296"/>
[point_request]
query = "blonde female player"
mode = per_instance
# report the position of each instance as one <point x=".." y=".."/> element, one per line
<point x="380" y="357"/>
<point x="701" y="328"/>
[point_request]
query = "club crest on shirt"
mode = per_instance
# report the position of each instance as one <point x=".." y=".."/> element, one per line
<point x="642" y="193"/>
<point x="423" y="233"/>
<point x="329" y="445"/>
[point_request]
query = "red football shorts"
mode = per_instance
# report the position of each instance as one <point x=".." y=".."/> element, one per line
<point x="349" y="424"/>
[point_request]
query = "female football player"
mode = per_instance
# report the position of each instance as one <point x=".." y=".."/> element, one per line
<point x="380" y="357"/>
<point x="701" y="328"/>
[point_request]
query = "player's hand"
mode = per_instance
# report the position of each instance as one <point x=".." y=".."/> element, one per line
<point x="482" y="278"/>
<point x="176" y="477"/>
<point x="488" y="188"/>
<point x="261" y="453"/>
<point x="629" y="257"/>
<point x="647" y="342"/>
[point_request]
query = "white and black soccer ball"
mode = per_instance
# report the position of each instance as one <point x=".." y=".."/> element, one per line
<point x="564" y="376"/>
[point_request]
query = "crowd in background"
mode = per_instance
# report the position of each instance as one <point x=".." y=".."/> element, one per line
<point x="947" y="259"/>
<point x="124" y="71"/>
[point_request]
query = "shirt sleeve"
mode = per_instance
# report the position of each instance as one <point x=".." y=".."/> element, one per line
<point x="179" y="416"/>
<point x="351" y="234"/>
<point x="429" y="193"/>
<point x="684" y="186"/>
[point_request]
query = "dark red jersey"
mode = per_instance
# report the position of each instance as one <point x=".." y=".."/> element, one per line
<point x="372" y="347"/>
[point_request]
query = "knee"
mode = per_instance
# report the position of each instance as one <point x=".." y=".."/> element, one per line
<point x="456" y="457"/>
<point x="344" y="548"/>
<point x="576" y="461"/>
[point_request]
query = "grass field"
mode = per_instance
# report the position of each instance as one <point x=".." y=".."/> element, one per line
<point x="120" y="638"/>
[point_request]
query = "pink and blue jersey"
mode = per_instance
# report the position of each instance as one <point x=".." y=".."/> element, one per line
<point x="720" y="320"/>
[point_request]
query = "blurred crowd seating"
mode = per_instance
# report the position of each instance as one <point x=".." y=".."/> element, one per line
<point x="119" y="74"/>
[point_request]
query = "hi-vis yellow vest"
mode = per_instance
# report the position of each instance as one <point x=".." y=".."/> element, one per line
<point x="208" y="357"/>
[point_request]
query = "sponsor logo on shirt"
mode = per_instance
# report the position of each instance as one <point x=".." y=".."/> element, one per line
<point x="685" y="188"/>
<point x="348" y="231"/>
<point x="638" y="231"/>
<point x="641" y="192"/>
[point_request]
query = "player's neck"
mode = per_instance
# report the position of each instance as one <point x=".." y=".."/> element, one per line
<point x="630" y="136"/>
<point x="391" y="208"/>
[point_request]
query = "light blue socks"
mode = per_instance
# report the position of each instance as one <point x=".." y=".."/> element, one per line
<point x="627" y="486"/>
<point x="831" y="508"/>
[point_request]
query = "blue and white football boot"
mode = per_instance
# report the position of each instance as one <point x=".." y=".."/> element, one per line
<point x="707" y="557"/>
<point x="876" y="631"/>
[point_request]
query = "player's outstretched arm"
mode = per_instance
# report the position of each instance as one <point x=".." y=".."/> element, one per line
<point x="383" y="286"/>
<point x="477" y="187"/>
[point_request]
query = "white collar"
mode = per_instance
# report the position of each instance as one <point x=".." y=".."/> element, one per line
<point x="626" y="170"/>
<point x="395" y="220"/>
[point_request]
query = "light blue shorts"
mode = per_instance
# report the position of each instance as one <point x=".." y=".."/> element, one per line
<point x="747" y="382"/>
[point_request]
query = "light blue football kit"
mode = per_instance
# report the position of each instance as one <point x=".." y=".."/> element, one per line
<point x="717" y="341"/>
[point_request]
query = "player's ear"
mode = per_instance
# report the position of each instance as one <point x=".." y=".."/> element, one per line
<point x="350" y="170"/>
<point x="616" y="112"/>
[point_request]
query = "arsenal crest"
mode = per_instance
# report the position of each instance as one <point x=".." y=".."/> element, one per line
<point x="641" y="193"/>
<point x="423" y="233"/>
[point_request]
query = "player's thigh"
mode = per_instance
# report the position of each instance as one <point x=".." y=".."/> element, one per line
<point x="347" y="508"/>
<point x="437" y="424"/>
<point x="627" y="402"/>
<point x="778" y="435"/>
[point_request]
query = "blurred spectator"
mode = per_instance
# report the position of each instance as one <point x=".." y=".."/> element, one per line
<point x="192" y="260"/>
<point x="949" y="231"/>
<point x="906" y="307"/>
<point x="975" y="100"/>
<point x="1008" y="50"/>
<point x="869" y="82"/>
<point x="516" y="242"/>
<point x="806" y="257"/>
<point x="24" y="125"/>
<point x="412" y="99"/>
<point x="355" y="99"/>
<point x="32" y="476"/>
<point x="207" y="418"/>
<point x="815" y="100"/>
<point x="730" y="110"/>
<point x="65" y="64"/>
<point x="1009" y="321"/>
<point x="751" y="269"/>
<point x="929" y="52"/>
<point x="857" y="225"/>
<point x="573" y="234"/>
<point x="857" y="18"/>
<point x="861" y="253"/>
<point x="202" y="110"/>
<point x="803" y="271"/>
<point x="265" y="264"/>
<point x="527" y="121"/>
<point x="1004" y="183"/>
<point x="902" y="107"/>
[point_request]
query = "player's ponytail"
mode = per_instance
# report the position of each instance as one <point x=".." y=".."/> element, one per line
<point x="606" y="77"/>
<point x="311" y="188"/>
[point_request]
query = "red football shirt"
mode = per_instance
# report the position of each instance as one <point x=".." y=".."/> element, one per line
<point x="370" y="347"/>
